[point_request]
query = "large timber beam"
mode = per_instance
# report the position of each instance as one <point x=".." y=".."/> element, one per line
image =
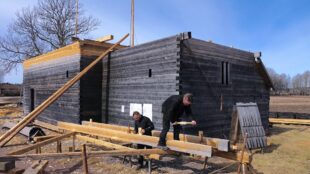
<point x="217" y="143"/>
<point x="236" y="156"/>
<point x="101" y="143"/>
<point x="54" y="156"/>
<point x="180" y="146"/>
<point x="6" y="137"/>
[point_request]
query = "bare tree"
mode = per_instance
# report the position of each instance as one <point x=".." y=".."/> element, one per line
<point x="1" y="75"/>
<point x="280" y="81"/>
<point x="47" y="26"/>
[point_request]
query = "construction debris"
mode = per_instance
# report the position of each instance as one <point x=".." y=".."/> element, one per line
<point x="29" y="131"/>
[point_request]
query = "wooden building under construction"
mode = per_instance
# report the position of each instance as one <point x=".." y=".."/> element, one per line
<point x="142" y="77"/>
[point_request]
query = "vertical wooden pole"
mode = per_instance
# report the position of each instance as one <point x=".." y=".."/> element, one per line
<point x="221" y="107"/>
<point x="38" y="150"/>
<point x="73" y="143"/>
<point x="76" y="16"/>
<point x="132" y="23"/>
<point x="85" y="166"/>
<point x="128" y="131"/>
<point x="59" y="150"/>
<point x="242" y="152"/>
<point x="200" y="134"/>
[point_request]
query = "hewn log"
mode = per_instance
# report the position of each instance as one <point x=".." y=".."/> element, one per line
<point x="217" y="143"/>
<point x="185" y="147"/>
<point x="101" y="143"/>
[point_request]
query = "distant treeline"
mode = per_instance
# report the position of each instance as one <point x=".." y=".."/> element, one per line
<point x="287" y="85"/>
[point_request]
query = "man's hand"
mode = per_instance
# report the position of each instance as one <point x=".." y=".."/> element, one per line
<point x="194" y="122"/>
<point x="142" y="131"/>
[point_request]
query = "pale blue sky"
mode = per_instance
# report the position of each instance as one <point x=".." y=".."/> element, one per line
<point x="279" y="28"/>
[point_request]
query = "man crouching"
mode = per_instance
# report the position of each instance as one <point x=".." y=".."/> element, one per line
<point x="143" y="126"/>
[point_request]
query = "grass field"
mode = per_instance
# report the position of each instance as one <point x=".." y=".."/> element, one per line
<point x="289" y="151"/>
<point x="298" y="104"/>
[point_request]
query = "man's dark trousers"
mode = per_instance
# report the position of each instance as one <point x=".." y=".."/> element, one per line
<point x="165" y="130"/>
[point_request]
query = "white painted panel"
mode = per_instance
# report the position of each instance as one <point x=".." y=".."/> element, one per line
<point x="147" y="111"/>
<point x="123" y="108"/>
<point x="135" y="107"/>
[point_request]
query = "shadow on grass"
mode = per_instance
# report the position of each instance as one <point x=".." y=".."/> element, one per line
<point x="268" y="149"/>
<point x="276" y="130"/>
<point x="183" y="163"/>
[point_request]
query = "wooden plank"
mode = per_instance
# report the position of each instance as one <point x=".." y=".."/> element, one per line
<point x="101" y="142"/>
<point x="111" y="145"/>
<point x="36" y="168"/>
<point x="42" y="138"/>
<point x="40" y="144"/>
<point x="186" y="147"/>
<point x="289" y="121"/>
<point x="105" y="38"/>
<point x="32" y="115"/>
<point x="54" y="156"/>
<point x="220" y="144"/>
<point x="84" y="157"/>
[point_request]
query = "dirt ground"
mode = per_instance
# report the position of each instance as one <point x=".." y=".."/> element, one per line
<point x="289" y="152"/>
<point x="297" y="104"/>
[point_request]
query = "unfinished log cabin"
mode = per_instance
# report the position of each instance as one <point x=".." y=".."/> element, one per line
<point x="140" y="78"/>
<point x="44" y="74"/>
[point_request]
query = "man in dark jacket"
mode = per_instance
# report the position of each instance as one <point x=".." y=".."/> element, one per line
<point x="146" y="126"/>
<point x="172" y="109"/>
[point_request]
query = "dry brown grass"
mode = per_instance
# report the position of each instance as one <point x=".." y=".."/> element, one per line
<point x="11" y="110"/>
<point x="289" y="151"/>
<point x="298" y="104"/>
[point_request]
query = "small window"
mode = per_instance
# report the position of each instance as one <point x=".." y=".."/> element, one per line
<point x="67" y="74"/>
<point x="150" y="72"/>
<point x="225" y="73"/>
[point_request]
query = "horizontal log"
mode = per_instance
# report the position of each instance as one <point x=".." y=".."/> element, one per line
<point x="55" y="156"/>
<point x="185" y="147"/>
<point x="220" y="144"/>
<point x="289" y="121"/>
<point x="101" y="142"/>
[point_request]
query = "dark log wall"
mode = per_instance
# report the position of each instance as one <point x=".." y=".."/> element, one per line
<point x="201" y="74"/>
<point x="45" y="78"/>
<point x="126" y="79"/>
